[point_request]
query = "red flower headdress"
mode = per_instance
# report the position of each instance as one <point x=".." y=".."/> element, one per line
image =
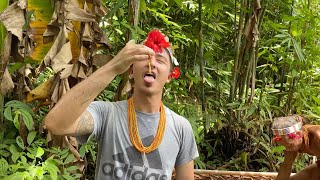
<point x="156" y="41"/>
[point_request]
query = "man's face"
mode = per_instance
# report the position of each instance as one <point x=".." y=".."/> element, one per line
<point x="291" y="144"/>
<point x="160" y="74"/>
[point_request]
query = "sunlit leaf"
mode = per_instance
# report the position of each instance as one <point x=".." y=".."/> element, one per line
<point x="39" y="152"/>
<point x="69" y="159"/>
<point x="31" y="137"/>
<point x="3" y="166"/>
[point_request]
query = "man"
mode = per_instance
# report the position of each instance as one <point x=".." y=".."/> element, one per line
<point x="138" y="138"/>
<point x="289" y="132"/>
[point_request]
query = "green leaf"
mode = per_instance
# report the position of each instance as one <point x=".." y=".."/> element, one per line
<point x="143" y="6"/>
<point x="20" y="143"/>
<point x="51" y="168"/>
<point x="16" y="121"/>
<point x="82" y="150"/>
<point x="194" y="79"/>
<point x="77" y="176"/>
<point x="14" y="67"/>
<point x="13" y="149"/>
<point x="278" y="149"/>
<point x="17" y="175"/>
<point x="23" y="159"/>
<point x="31" y="137"/>
<point x="69" y="159"/>
<point x="36" y="172"/>
<point x="4" y="153"/>
<point x="72" y="168"/>
<point x="3" y="166"/>
<point x="58" y="161"/>
<point x="67" y="177"/>
<point x="19" y="105"/>
<point x="8" y="114"/>
<point x="179" y="2"/>
<point x="316" y="99"/>
<point x="115" y="9"/>
<point x="40" y="152"/>
<point x="15" y="157"/>
<point x="27" y="118"/>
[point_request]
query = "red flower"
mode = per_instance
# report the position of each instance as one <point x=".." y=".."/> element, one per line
<point x="175" y="73"/>
<point x="156" y="40"/>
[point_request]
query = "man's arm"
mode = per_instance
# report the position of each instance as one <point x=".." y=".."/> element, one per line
<point x="286" y="167"/>
<point x="185" y="171"/>
<point x="65" y="117"/>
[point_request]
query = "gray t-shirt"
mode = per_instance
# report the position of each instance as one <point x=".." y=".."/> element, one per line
<point x="117" y="157"/>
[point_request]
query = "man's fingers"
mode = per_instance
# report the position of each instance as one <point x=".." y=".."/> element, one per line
<point x="132" y="41"/>
<point x="139" y="48"/>
<point x="142" y="57"/>
<point x="143" y="50"/>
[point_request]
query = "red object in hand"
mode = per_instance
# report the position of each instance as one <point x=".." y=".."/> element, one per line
<point x="156" y="40"/>
<point x="277" y="138"/>
<point x="175" y="73"/>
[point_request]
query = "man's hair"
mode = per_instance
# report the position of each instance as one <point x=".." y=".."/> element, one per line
<point x="287" y="121"/>
<point x="169" y="52"/>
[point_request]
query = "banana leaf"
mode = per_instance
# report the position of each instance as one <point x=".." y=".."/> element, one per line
<point x="41" y="12"/>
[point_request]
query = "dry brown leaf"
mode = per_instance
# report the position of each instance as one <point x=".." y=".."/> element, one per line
<point x="22" y="4"/>
<point x="81" y="57"/>
<point x="53" y="25"/>
<point x="66" y="82"/>
<point x="42" y="91"/>
<point x="13" y="19"/>
<point x="81" y="73"/>
<point x="75" y="70"/>
<point x="100" y="60"/>
<point x="55" y="93"/>
<point x="101" y="11"/>
<point x="78" y="71"/>
<point x="74" y="13"/>
<point x="67" y="71"/>
<point x="62" y="59"/>
<point x="57" y="45"/>
<point x="6" y="85"/>
<point x="6" y="54"/>
<point x="87" y="33"/>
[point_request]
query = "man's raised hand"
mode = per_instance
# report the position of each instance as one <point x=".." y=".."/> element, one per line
<point x="128" y="55"/>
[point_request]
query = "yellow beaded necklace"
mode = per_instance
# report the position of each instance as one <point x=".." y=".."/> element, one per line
<point x="134" y="132"/>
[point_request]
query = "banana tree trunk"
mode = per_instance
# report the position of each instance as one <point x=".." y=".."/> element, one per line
<point x="3" y="32"/>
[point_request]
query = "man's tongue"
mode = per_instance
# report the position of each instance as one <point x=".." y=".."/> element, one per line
<point x="148" y="79"/>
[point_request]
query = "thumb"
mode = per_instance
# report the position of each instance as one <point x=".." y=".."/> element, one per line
<point x="132" y="41"/>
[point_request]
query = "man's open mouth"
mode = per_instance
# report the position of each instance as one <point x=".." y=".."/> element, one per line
<point x="151" y="75"/>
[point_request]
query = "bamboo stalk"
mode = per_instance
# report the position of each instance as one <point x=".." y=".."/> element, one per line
<point x="237" y="173"/>
<point x="203" y="98"/>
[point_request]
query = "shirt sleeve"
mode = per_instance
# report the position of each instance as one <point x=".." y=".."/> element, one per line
<point x="188" y="147"/>
<point x="99" y="111"/>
